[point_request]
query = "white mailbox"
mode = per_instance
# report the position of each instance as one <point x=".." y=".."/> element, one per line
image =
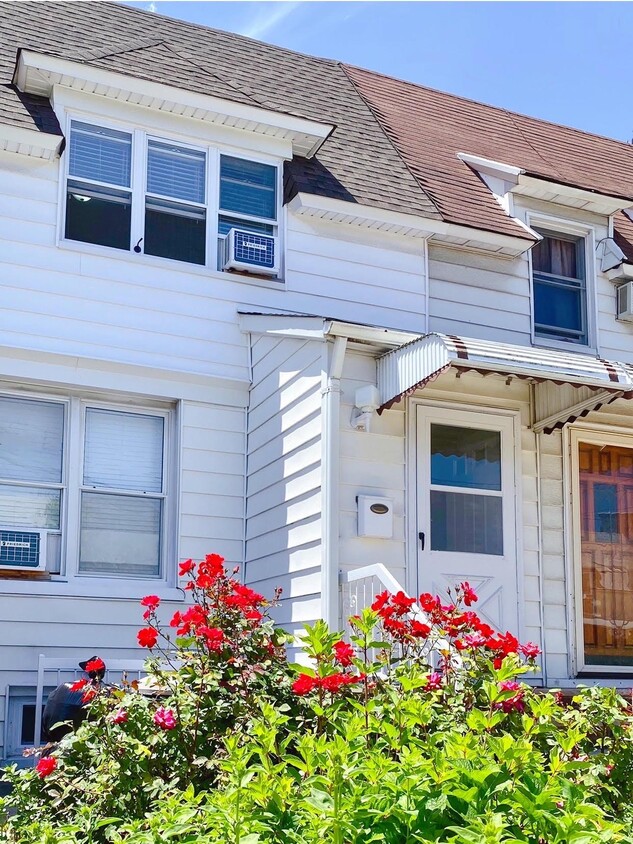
<point x="375" y="516"/>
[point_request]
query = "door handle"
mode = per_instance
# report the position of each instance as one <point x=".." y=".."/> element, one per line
<point x="421" y="538"/>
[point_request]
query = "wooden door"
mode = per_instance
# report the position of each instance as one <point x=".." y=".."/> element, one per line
<point x="606" y="516"/>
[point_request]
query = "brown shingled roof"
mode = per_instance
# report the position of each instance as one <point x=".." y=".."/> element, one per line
<point x="429" y="128"/>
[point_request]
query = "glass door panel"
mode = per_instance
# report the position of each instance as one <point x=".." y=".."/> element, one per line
<point x="606" y="515"/>
<point x="466" y="505"/>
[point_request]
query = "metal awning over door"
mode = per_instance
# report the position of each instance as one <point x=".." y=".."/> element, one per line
<point x="586" y="382"/>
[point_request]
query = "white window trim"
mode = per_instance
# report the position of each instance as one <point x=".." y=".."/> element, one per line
<point x="75" y="406"/>
<point x="588" y="234"/>
<point x="138" y="185"/>
<point x="598" y="435"/>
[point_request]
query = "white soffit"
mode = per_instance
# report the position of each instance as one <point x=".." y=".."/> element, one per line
<point x="408" y="225"/>
<point x="30" y="142"/>
<point x="573" y="197"/>
<point x="37" y="73"/>
<point x="403" y="371"/>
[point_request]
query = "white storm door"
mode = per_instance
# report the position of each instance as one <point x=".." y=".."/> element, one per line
<point x="466" y="509"/>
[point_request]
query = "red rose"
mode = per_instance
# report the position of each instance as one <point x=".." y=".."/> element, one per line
<point x="433" y="681"/>
<point x="468" y="593"/>
<point x="151" y="602"/>
<point x="94" y="666"/>
<point x="304" y="684"/>
<point x="78" y="685"/>
<point x="46" y="766"/>
<point x="343" y="653"/>
<point x="147" y="637"/>
<point x="530" y="650"/>
<point x="420" y="630"/>
<point x="214" y="637"/>
<point x="186" y="568"/>
<point x="380" y="601"/>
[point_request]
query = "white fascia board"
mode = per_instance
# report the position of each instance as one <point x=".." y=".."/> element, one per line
<point x="507" y="172"/>
<point x="396" y="222"/>
<point x="609" y="204"/>
<point x="284" y="325"/>
<point x="38" y="144"/>
<point x="35" y="70"/>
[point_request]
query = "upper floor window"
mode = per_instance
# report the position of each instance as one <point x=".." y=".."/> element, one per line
<point x="559" y="288"/>
<point x="161" y="202"/>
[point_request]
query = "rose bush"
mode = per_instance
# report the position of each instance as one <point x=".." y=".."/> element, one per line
<point x="419" y="729"/>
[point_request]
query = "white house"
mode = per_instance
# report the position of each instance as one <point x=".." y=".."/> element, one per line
<point x="313" y="319"/>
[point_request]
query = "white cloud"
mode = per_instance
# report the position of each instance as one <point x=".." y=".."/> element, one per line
<point x="151" y="7"/>
<point x="268" y="18"/>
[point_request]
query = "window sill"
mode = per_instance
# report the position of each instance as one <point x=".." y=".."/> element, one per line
<point x="90" y="588"/>
<point x="166" y="263"/>
<point x="562" y="346"/>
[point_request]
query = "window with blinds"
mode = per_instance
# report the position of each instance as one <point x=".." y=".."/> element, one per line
<point x="559" y="288"/>
<point x="151" y="195"/>
<point x="98" y="195"/>
<point x="248" y="198"/>
<point x="175" y="211"/>
<point x="31" y="450"/>
<point x="122" y="494"/>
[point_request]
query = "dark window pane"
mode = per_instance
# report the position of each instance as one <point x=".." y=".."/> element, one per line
<point x="248" y="187"/>
<point x="605" y="504"/>
<point x="465" y="457"/>
<point x="98" y="215"/>
<point x="27" y="731"/>
<point x="99" y="154"/>
<point x="558" y="309"/>
<point x="466" y="523"/>
<point x="175" y="231"/>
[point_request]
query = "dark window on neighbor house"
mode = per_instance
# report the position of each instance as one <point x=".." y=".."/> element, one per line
<point x="559" y="285"/>
<point x="98" y="199"/>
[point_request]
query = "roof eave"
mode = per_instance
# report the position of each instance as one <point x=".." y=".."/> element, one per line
<point x="37" y="73"/>
<point x="30" y="142"/>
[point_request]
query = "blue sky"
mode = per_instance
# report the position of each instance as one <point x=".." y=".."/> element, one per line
<point x="562" y="61"/>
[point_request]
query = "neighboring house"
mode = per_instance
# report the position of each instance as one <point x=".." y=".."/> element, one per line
<point x="419" y="356"/>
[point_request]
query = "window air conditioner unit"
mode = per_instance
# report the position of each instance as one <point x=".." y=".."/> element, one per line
<point x="251" y="253"/>
<point x="625" y="301"/>
<point x="22" y="549"/>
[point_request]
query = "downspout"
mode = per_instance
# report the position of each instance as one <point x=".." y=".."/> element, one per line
<point x="330" y="459"/>
<point x="539" y="534"/>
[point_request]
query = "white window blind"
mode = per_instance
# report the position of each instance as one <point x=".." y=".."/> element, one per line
<point x="100" y="154"/>
<point x="176" y="172"/>
<point x="123" y="451"/>
<point x="120" y="535"/>
<point x="31" y="440"/>
<point x="248" y="187"/>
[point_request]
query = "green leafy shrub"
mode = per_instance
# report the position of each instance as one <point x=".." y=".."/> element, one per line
<point x="369" y="742"/>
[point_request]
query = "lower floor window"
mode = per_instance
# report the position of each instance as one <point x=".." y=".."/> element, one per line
<point x="606" y="550"/>
<point x="20" y="726"/>
<point x="83" y="487"/>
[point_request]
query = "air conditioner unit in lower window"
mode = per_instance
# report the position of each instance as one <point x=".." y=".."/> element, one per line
<point x="251" y="253"/>
<point x="625" y="301"/>
<point x="22" y="548"/>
